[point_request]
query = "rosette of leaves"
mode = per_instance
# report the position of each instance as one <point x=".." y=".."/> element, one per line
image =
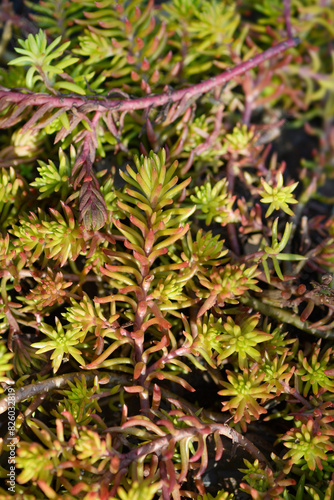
<point x="205" y="252"/>
<point x="204" y="32"/>
<point x="243" y="390"/>
<point x="309" y="447"/>
<point x="239" y="336"/>
<point x="59" y="238"/>
<point x="60" y="22"/>
<point x="88" y="316"/>
<point x="263" y="482"/>
<point x="215" y="203"/>
<point x="80" y="401"/>
<point x="316" y="370"/>
<point x="228" y="283"/>
<point x="207" y="341"/>
<point x="131" y="40"/>
<point x="240" y="141"/>
<point x="43" y="68"/>
<point x="277" y="371"/>
<point x="53" y="179"/>
<point x="50" y="290"/>
<point x="61" y="342"/>
<point x="278" y="196"/>
<point x="32" y="459"/>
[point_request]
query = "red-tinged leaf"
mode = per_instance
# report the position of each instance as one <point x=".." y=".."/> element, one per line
<point x="131" y="60"/>
<point x="132" y="246"/>
<point x="78" y="487"/>
<point x="219" y="446"/>
<point x="191" y="420"/>
<point x="98" y="346"/>
<point x="141" y="309"/>
<point x="143" y="422"/>
<point x="176" y="68"/>
<point x="145" y="86"/>
<point x="139" y="44"/>
<point x="149" y="241"/>
<point x="172" y="476"/>
<point x="152" y="47"/>
<point x="200" y="449"/>
<point x="137" y="335"/>
<point x="125" y="412"/>
<point x="149" y="28"/>
<point x="157" y="253"/>
<point x="114" y="42"/>
<point x="47" y="490"/>
<point x="307" y="311"/>
<point x="142" y="149"/>
<point x="168" y="424"/>
<point x="71" y="421"/>
<point x="151" y="134"/>
<point x="156" y="321"/>
<point x="170" y="450"/>
<point x="204" y="462"/>
<point x="145" y="65"/>
<point x="139" y="370"/>
<point x="156" y="397"/>
<point x="166" y="59"/>
<point x="140" y="224"/>
<point x="133" y="389"/>
<point x="131" y="288"/>
<point x="36" y="116"/>
<point x="92" y="207"/>
<point x="174" y="378"/>
<point x="108" y="118"/>
<point x="173" y="413"/>
<point x="141" y="258"/>
<point x="160" y="345"/>
<point x="114" y="464"/>
<point x="102" y="357"/>
<point x="134" y="76"/>
<point x="210" y="302"/>
<point x="128" y="27"/>
<point x="155" y="76"/>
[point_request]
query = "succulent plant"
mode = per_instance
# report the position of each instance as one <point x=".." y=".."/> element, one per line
<point x="165" y="261"/>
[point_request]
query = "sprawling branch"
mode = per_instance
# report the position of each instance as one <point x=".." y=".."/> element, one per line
<point x="101" y="103"/>
<point x="208" y="428"/>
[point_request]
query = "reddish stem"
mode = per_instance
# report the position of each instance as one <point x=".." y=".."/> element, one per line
<point x="103" y="104"/>
<point x="158" y="444"/>
<point x="287" y="17"/>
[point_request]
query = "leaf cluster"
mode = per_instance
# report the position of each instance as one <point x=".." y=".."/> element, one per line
<point x="158" y="295"/>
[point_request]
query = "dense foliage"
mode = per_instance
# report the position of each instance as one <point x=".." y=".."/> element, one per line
<point x="166" y="249"/>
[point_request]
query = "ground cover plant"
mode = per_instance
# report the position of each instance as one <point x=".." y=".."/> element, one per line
<point x="166" y="250"/>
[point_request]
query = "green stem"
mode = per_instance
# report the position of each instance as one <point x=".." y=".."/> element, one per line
<point x="284" y="316"/>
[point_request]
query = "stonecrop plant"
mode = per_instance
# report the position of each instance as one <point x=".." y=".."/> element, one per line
<point x="166" y="250"/>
